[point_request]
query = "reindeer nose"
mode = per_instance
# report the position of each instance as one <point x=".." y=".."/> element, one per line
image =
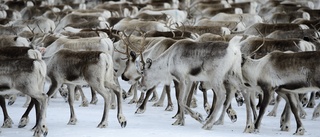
<point x="124" y="78"/>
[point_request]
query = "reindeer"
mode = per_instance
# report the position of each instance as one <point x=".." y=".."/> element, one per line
<point x="29" y="78"/>
<point x="83" y="67"/>
<point x="285" y="73"/>
<point x="246" y="18"/>
<point x="132" y="75"/>
<point x="206" y="63"/>
<point x="37" y="24"/>
<point x="264" y="29"/>
<point x="18" y="52"/>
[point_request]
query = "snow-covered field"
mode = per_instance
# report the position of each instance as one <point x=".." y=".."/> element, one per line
<point x="155" y="122"/>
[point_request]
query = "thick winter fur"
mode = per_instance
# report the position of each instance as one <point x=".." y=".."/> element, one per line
<point x="288" y="17"/>
<point x="246" y="19"/>
<point x="37" y="24"/>
<point x="205" y="29"/>
<point x="288" y="73"/>
<point x="26" y="76"/>
<point x="188" y="61"/>
<point x="12" y="40"/>
<point x="265" y="28"/>
<point x="76" y="18"/>
<point x="19" y="52"/>
<point x="231" y="25"/>
<point x="13" y="30"/>
<point x="297" y="33"/>
<point x="92" y="43"/>
<point x="130" y="25"/>
<point x="262" y="46"/>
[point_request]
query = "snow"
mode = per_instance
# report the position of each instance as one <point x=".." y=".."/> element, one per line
<point x="155" y="122"/>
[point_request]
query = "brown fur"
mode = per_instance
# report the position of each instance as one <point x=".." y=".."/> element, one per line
<point x="14" y="52"/>
<point x="266" y="29"/>
<point x="201" y="29"/>
<point x="11" y="66"/>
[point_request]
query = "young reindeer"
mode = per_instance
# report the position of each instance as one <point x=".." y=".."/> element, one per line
<point x="132" y="75"/>
<point x="187" y="61"/>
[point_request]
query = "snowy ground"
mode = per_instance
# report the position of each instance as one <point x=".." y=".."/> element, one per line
<point x="154" y="122"/>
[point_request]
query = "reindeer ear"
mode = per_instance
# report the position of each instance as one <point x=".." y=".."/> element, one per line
<point x="149" y="62"/>
<point x="133" y="55"/>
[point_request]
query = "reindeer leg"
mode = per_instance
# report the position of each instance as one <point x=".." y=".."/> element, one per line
<point x="227" y="106"/>
<point x="312" y="101"/>
<point x="154" y="97"/>
<point x="300" y="108"/>
<point x="285" y="116"/>
<point x="220" y="92"/>
<point x="176" y="86"/>
<point x="162" y="97"/>
<point x="63" y="90"/>
<point x="142" y="107"/>
<point x="41" y="128"/>
<point x="7" y="121"/>
<point x="94" y="98"/>
<point x="267" y="92"/>
<point x="249" y="107"/>
<point x="170" y="104"/>
<point x="273" y="112"/>
<point x="133" y="90"/>
<point x="293" y="104"/>
<point x="12" y="99"/>
<point x="304" y="99"/>
<point x="193" y="103"/>
<point x="84" y="102"/>
<point x="28" y="99"/>
<point x="73" y="119"/>
<point x="121" y="118"/>
<point x="206" y="104"/>
<point x="181" y="97"/>
<point x="316" y="112"/>
<point x="106" y="95"/>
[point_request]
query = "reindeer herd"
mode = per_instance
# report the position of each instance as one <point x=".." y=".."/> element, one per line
<point x="256" y="51"/>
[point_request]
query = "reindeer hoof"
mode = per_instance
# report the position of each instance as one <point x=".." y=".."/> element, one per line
<point x="249" y="128"/>
<point x="300" y="131"/>
<point x="102" y="125"/>
<point x="158" y="104"/>
<point x="94" y="101"/>
<point x="311" y="104"/>
<point x="193" y="103"/>
<point x="133" y="101"/>
<point x="72" y="121"/>
<point x="84" y="103"/>
<point x="122" y="120"/>
<point x="179" y="121"/>
<point x="23" y="122"/>
<point x="232" y="115"/>
<point x="207" y="108"/>
<point x="7" y="123"/>
<point x="207" y="126"/>
<point x="140" y="111"/>
<point x="154" y="99"/>
<point x="284" y="127"/>
<point x="169" y="108"/>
